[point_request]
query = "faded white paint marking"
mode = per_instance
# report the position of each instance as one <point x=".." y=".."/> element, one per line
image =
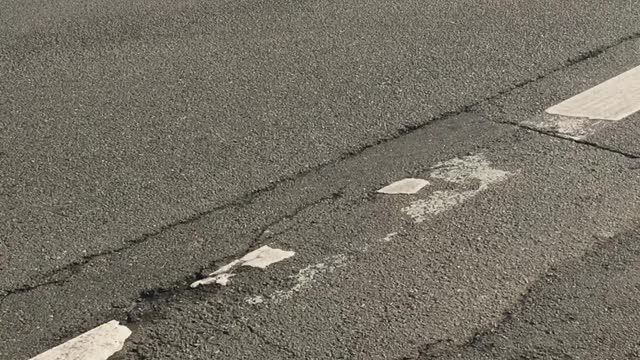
<point x="96" y="344"/>
<point x="612" y="100"/>
<point x="305" y="277"/>
<point x="259" y="258"/>
<point x="220" y="279"/>
<point x="404" y="186"/>
<point x="226" y="268"/>
<point x="254" y="300"/>
<point x="569" y="127"/>
<point x="474" y="168"/>
<point x="389" y="237"/>
<point x="438" y="202"/>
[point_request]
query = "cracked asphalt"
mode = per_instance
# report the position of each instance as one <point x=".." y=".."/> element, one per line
<point x="145" y="144"/>
<point x="583" y="309"/>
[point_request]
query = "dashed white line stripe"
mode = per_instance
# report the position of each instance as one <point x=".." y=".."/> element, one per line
<point x="612" y="100"/>
<point x="96" y="344"/>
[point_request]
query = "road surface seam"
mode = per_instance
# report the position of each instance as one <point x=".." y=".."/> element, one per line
<point x="582" y="57"/>
<point x="574" y="140"/>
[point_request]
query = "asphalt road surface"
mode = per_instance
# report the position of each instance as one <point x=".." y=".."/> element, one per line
<point x="145" y="144"/>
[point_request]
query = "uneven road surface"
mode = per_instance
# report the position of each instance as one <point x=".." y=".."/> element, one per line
<point x="146" y="144"/>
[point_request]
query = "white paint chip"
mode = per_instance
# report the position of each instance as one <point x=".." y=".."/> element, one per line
<point x="220" y="279"/>
<point x="467" y="170"/>
<point x="404" y="186"/>
<point x="612" y="100"/>
<point x="389" y="237"/>
<point x="226" y="268"/>
<point x="259" y="258"/>
<point x="255" y="300"/>
<point x="97" y="344"/>
<point x="265" y="256"/>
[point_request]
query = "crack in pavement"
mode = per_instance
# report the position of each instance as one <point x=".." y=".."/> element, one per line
<point x="437" y="348"/>
<point x="254" y="244"/>
<point x="448" y="347"/>
<point x="581" y="57"/>
<point x="76" y="268"/>
<point x="556" y="135"/>
<point x="144" y="308"/>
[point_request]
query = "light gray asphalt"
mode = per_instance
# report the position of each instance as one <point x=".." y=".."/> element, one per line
<point x="121" y="118"/>
<point x="142" y="144"/>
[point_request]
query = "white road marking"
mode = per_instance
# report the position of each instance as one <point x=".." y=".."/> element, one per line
<point x="389" y="237"/>
<point x="569" y="127"/>
<point x="612" y="100"/>
<point x="303" y="280"/>
<point x="404" y="186"/>
<point x="438" y="202"/>
<point x="457" y="171"/>
<point x="254" y="300"/>
<point x="226" y="268"/>
<point x="220" y="279"/>
<point x="96" y="344"/>
<point x="265" y="256"/>
<point x="259" y="258"/>
<point x="307" y="276"/>
<point x="472" y="167"/>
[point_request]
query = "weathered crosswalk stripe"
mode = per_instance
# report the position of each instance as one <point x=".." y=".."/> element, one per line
<point x="612" y="100"/>
<point x="593" y="109"/>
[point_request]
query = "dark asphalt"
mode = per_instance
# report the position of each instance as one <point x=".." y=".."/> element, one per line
<point x="585" y="309"/>
<point x="120" y="118"/>
<point x="144" y="143"/>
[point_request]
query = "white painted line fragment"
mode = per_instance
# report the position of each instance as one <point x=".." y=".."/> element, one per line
<point x="96" y="344"/>
<point x="259" y="258"/>
<point x="457" y="171"/>
<point x="265" y="256"/>
<point x="404" y="186"/>
<point x="438" y="202"/>
<point x="389" y="237"/>
<point x="612" y="100"/>
<point x="226" y="268"/>
<point x="220" y="279"/>
<point x="255" y="300"/>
